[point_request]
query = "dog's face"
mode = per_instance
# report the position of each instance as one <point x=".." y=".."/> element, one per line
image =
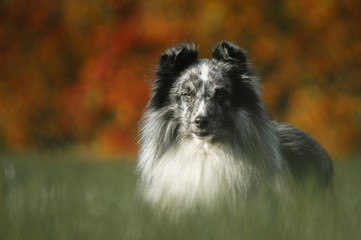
<point x="200" y="96"/>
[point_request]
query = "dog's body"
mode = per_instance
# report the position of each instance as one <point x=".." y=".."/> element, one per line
<point x="206" y="134"/>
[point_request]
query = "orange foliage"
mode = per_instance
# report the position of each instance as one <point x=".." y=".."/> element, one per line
<point x="78" y="72"/>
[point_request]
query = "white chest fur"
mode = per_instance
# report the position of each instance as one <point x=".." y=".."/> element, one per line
<point x="197" y="172"/>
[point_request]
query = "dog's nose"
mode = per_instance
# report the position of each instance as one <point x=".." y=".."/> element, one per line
<point x="201" y="122"/>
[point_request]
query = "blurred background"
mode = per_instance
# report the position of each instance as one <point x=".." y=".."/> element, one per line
<point x="75" y="74"/>
<point x="74" y="82"/>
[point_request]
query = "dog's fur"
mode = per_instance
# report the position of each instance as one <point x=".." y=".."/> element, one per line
<point x="206" y="134"/>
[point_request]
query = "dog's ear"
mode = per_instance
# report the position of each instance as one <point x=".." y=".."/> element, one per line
<point x="178" y="58"/>
<point x="245" y="85"/>
<point x="171" y="63"/>
<point x="228" y="52"/>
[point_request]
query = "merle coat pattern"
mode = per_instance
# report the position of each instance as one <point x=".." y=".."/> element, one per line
<point x="206" y="134"/>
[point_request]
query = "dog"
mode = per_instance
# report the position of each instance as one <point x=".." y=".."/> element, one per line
<point x="206" y="134"/>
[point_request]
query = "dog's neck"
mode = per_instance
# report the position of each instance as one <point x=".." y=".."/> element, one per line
<point x="195" y="171"/>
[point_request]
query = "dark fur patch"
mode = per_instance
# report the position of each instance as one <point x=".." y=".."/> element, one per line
<point x="228" y="52"/>
<point x="245" y="88"/>
<point x="225" y="92"/>
<point x="171" y="63"/>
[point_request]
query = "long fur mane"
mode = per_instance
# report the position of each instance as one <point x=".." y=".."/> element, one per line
<point x="177" y="171"/>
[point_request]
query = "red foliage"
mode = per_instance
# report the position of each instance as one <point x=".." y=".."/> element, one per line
<point x="78" y="72"/>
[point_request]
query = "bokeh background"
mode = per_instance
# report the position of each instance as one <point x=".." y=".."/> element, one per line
<point x="75" y="74"/>
<point x="75" y="79"/>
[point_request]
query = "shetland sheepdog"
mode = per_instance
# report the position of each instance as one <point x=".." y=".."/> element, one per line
<point x="206" y="135"/>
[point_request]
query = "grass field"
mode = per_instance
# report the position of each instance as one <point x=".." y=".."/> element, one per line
<point x="63" y="196"/>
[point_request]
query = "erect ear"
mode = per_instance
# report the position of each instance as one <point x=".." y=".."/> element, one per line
<point x="228" y="52"/>
<point x="245" y="84"/>
<point x="178" y="58"/>
<point x="172" y="62"/>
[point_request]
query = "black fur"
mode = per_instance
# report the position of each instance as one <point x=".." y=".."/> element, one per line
<point x="305" y="157"/>
<point x="207" y="130"/>
<point x="171" y="63"/>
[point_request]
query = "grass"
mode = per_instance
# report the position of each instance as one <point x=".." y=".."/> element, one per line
<point x="62" y="196"/>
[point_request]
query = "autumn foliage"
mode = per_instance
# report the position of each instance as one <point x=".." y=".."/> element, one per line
<point x="76" y="73"/>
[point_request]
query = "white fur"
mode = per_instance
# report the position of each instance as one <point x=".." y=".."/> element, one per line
<point x="204" y="72"/>
<point x="180" y="171"/>
<point x="196" y="172"/>
<point x="201" y="109"/>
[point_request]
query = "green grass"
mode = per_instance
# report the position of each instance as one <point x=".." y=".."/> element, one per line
<point x="55" y="196"/>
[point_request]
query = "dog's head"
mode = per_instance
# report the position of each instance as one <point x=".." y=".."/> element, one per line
<point x="204" y="95"/>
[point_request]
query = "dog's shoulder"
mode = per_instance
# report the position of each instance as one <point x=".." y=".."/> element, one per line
<point x="303" y="154"/>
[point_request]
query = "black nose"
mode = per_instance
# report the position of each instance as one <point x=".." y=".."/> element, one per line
<point x="201" y="122"/>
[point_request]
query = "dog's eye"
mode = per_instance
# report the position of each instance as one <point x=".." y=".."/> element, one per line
<point x="187" y="95"/>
